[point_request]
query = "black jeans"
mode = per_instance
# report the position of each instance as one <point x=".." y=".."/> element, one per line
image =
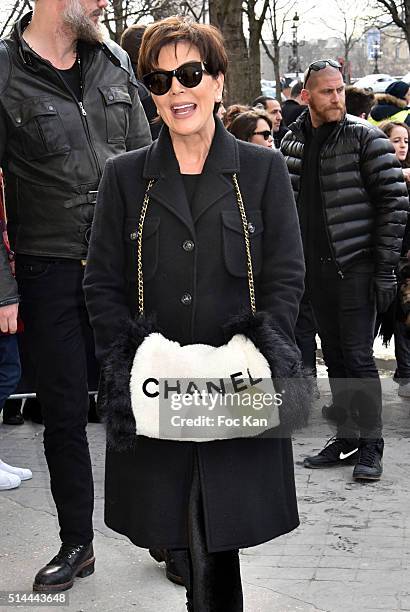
<point x="305" y="334"/>
<point x="56" y="329"/>
<point x="10" y="370"/>
<point x="402" y="350"/>
<point x="345" y="313"/>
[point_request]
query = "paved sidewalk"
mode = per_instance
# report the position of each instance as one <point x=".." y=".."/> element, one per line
<point x="351" y="553"/>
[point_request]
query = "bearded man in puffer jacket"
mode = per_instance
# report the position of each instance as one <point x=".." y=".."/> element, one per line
<point x="353" y="207"/>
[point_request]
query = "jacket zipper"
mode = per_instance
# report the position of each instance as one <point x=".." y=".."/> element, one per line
<point x="322" y="205"/>
<point x="80" y="106"/>
<point x="84" y="116"/>
<point x="339" y="271"/>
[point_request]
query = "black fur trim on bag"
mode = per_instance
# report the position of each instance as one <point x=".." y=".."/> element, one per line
<point x="114" y="398"/>
<point x="290" y="378"/>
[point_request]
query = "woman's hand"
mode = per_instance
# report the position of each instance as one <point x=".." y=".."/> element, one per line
<point x="406" y="172"/>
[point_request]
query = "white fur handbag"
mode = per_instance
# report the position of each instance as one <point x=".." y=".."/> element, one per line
<point x="154" y="387"/>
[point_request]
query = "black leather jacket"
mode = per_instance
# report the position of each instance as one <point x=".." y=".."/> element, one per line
<point x="362" y="191"/>
<point x="53" y="149"/>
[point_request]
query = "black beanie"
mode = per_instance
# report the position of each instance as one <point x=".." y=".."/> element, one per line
<point x="398" y="89"/>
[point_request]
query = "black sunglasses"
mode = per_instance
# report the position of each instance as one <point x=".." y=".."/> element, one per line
<point x="265" y="134"/>
<point x="319" y="65"/>
<point x="189" y="75"/>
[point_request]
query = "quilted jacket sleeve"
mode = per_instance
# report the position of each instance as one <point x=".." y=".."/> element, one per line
<point x="383" y="178"/>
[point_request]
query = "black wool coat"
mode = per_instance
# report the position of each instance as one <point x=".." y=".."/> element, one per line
<point x="247" y="485"/>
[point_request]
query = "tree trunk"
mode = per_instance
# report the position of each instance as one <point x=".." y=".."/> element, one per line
<point x="276" y="69"/>
<point x="254" y="67"/>
<point x="227" y="16"/>
<point x="254" y="54"/>
<point x="120" y="22"/>
<point x="346" y="70"/>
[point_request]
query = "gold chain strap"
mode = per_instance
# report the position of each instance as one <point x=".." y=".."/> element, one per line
<point x="247" y="244"/>
<point x="140" y="277"/>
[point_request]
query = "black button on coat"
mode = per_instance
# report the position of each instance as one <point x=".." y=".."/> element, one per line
<point x="247" y="485"/>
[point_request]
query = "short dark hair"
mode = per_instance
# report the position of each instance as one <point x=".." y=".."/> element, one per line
<point x="262" y="100"/>
<point x="131" y="40"/>
<point x="172" y="30"/>
<point x="244" y="125"/>
<point x="296" y="89"/>
<point x="359" y="101"/>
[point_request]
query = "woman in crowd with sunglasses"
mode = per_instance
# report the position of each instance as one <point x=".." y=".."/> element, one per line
<point x="204" y="499"/>
<point x="253" y="126"/>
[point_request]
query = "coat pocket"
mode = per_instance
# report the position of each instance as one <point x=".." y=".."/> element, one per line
<point x="117" y="105"/>
<point x="150" y="247"/>
<point x="233" y="241"/>
<point x="39" y="128"/>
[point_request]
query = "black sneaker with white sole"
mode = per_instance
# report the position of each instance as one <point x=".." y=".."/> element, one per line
<point x="337" y="451"/>
<point x="369" y="465"/>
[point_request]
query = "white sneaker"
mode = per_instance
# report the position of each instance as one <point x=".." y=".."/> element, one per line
<point x="8" y="481"/>
<point x="404" y="390"/>
<point x="22" y="473"/>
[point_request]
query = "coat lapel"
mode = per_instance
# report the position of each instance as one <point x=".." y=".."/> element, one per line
<point x="222" y="160"/>
<point x="168" y="189"/>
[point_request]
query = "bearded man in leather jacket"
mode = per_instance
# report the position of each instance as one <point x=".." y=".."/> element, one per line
<point x="68" y="101"/>
<point x="353" y="207"/>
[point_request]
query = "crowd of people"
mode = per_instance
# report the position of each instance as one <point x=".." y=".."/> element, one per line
<point x="138" y="206"/>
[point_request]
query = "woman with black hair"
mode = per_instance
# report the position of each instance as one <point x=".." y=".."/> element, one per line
<point x="253" y="126"/>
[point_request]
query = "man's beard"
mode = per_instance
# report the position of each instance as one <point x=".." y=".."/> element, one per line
<point x="81" y="24"/>
<point x="328" y="115"/>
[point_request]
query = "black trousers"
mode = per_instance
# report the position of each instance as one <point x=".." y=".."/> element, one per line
<point x="402" y="350"/>
<point x="214" y="581"/>
<point x="345" y="313"/>
<point x="305" y="334"/>
<point x="57" y="331"/>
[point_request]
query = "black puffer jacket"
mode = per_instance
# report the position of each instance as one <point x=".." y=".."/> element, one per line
<point x="363" y="191"/>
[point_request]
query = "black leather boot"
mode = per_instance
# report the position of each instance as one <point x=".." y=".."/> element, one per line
<point x="70" y="562"/>
<point x="176" y="562"/>
<point x="32" y="410"/>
